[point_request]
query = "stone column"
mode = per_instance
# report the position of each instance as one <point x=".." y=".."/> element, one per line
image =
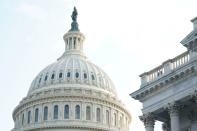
<point x="149" y="121"/>
<point x="193" y="118"/>
<point x="194" y="125"/>
<point x="193" y="113"/>
<point x="174" y="116"/>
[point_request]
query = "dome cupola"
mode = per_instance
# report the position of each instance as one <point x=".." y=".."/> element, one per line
<point x="73" y="69"/>
<point x="74" y="38"/>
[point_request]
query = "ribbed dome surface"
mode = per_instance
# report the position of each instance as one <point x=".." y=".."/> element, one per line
<point x="72" y="71"/>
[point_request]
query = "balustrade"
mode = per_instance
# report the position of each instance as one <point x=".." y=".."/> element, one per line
<point x="165" y="68"/>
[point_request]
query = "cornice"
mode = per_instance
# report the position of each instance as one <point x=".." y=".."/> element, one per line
<point x="96" y="128"/>
<point x="164" y="81"/>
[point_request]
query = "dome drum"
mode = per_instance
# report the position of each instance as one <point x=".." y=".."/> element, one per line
<point x="115" y="110"/>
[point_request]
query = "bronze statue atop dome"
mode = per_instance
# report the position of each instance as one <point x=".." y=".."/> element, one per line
<point x="74" y="24"/>
<point x="74" y="14"/>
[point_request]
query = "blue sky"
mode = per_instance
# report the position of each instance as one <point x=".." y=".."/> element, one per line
<point x="123" y="37"/>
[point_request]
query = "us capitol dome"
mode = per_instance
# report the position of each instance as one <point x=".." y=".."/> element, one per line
<point x="71" y="94"/>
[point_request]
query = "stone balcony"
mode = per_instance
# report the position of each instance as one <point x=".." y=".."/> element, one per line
<point x="167" y="67"/>
<point x="166" y="73"/>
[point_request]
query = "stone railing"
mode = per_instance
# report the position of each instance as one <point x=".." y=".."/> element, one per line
<point x="166" y="67"/>
<point x="180" y="60"/>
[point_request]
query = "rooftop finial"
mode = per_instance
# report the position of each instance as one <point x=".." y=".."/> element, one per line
<point x="74" y="24"/>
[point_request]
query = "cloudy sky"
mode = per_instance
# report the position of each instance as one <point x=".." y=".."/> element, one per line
<point x="123" y="37"/>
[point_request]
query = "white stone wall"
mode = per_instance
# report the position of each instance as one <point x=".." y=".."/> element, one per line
<point x="111" y="105"/>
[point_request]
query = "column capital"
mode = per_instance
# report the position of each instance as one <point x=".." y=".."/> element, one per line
<point x="148" y="119"/>
<point x="194" y="96"/>
<point x="174" y="108"/>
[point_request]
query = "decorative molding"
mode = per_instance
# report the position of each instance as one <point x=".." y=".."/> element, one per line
<point x="41" y="98"/>
<point x="174" y="109"/>
<point x="194" y="96"/>
<point x="164" y="81"/>
<point x="68" y="127"/>
<point x="60" y="100"/>
<point x="148" y="119"/>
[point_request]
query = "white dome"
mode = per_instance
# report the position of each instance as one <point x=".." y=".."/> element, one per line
<point x="72" y="71"/>
<point x="71" y="94"/>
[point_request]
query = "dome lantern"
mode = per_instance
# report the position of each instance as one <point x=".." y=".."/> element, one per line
<point x="74" y="38"/>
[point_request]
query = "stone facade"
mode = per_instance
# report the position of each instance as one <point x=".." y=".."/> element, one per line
<point x="62" y="98"/>
<point x="168" y="92"/>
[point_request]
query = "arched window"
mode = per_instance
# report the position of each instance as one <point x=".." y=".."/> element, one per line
<point x="88" y="113"/>
<point x="67" y="44"/>
<point x="66" y="112"/>
<point x="77" y="75"/>
<point x="121" y="121"/>
<point x="68" y="74"/>
<point x="55" y="113"/>
<point x="79" y="40"/>
<point x="45" y="113"/>
<point x="115" y="119"/>
<point x="40" y="80"/>
<point x="74" y="42"/>
<point x="77" y="112"/>
<point x="52" y="76"/>
<point x="28" y="117"/>
<point x="107" y="117"/>
<point x="98" y="114"/>
<point x="36" y="115"/>
<point x="60" y="75"/>
<point x="92" y="77"/>
<point x="70" y="46"/>
<point x="45" y="79"/>
<point x="23" y="119"/>
<point x="85" y="76"/>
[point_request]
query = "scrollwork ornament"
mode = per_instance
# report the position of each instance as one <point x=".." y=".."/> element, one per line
<point x="194" y="96"/>
<point x="174" y="108"/>
<point x="148" y="119"/>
